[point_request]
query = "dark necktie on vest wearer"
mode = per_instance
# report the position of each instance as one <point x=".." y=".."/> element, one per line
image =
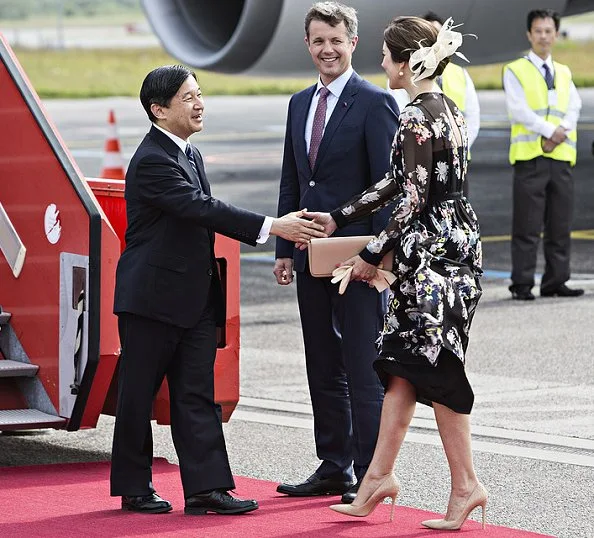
<point x="317" y="129"/>
<point x="548" y="76"/>
<point x="190" y="156"/>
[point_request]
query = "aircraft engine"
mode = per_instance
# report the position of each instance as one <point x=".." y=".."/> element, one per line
<point x="265" y="37"/>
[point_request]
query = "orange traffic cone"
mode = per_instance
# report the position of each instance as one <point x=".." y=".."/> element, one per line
<point x="113" y="162"/>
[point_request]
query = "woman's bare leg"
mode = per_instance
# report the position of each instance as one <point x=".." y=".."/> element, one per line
<point x="454" y="429"/>
<point x="397" y="412"/>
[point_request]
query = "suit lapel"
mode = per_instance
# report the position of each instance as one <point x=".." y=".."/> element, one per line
<point x="204" y="184"/>
<point x="182" y="159"/>
<point x="300" y="121"/>
<point x="346" y="99"/>
<point x="175" y="151"/>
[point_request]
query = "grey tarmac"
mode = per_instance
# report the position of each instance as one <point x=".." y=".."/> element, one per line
<point x="531" y="364"/>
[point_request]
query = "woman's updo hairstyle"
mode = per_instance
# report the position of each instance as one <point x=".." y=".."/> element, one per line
<point x="405" y="35"/>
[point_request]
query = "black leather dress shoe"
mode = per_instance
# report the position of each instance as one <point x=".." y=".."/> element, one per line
<point x="349" y="496"/>
<point x="562" y="291"/>
<point x="219" y="502"/>
<point x="314" y="485"/>
<point x="147" y="504"/>
<point x="521" y="293"/>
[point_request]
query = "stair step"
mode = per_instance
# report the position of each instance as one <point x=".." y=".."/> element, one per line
<point x="4" y="317"/>
<point x="26" y="419"/>
<point x="10" y="368"/>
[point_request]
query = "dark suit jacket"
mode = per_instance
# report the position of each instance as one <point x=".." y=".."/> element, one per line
<point x="166" y="270"/>
<point x="354" y="154"/>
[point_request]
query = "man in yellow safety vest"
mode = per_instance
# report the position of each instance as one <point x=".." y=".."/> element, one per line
<point x="543" y="106"/>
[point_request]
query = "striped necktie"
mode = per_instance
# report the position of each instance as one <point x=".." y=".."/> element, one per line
<point x="190" y="156"/>
<point x="317" y="129"/>
<point x="548" y="76"/>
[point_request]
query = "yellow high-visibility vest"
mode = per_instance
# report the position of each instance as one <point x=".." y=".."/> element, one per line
<point x="453" y="84"/>
<point x="526" y="145"/>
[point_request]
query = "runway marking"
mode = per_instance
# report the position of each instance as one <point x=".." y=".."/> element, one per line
<point x="543" y="447"/>
<point x="133" y="137"/>
<point x="505" y="125"/>
<point x="223" y="137"/>
<point x="585" y="235"/>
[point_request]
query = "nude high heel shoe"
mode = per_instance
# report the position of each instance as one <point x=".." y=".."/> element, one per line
<point x="388" y="488"/>
<point x="478" y="497"/>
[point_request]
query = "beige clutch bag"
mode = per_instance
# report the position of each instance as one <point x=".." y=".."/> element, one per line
<point x="326" y="254"/>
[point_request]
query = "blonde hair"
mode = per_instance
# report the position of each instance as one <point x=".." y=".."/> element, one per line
<point x="333" y="13"/>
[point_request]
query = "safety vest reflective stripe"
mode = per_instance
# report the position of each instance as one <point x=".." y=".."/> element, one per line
<point x="550" y="112"/>
<point x="533" y="137"/>
<point x="526" y="145"/>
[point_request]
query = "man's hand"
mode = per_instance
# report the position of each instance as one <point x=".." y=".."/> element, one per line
<point x="361" y="269"/>
<point x="321" y="218"/>
<point x="559" y="135"/>
<point x="283" y="271"/>
<point x="548" y="145"/>
<point x="296" y="229"/>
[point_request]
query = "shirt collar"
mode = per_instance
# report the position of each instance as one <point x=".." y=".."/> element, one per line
<point x="338" y="84"/>
<point x="179" y="141"/>
<point x="538" y="61"/>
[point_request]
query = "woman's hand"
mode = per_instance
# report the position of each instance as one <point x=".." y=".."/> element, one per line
<point x="325" y="219"/>
<point x="361" y="269"/>
<point x="294" y="227"/>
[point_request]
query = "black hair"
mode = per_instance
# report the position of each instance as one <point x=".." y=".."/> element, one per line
<point x="543" y="14"/>
<point x="431" y="16"/>
<point x="161" y="84"/>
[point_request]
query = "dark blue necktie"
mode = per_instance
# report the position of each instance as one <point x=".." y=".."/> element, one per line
<point x="548" y="76"/>
<point x="190" y="155"/>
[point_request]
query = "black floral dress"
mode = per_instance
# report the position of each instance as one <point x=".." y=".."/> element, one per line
<point x="437" y="253"/>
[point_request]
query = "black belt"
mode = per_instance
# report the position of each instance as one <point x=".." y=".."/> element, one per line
<point x="448" y="196"/>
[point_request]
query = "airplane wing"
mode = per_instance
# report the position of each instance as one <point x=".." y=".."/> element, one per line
<point x="265" y="37"/>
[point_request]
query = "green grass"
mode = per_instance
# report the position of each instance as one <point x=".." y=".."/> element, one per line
<point x="100" y="73"/>
<point x="50" y="20"/>
<point x="578" y="55"/>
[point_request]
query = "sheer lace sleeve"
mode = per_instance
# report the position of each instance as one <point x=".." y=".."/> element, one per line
<point x="369" y="201"/>
<point x="407" y="183"/>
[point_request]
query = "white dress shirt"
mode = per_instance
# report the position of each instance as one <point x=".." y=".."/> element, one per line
<point x="265" y="230"/>
<point x="472" y="114"/>
<point x="335" y="88"/>
<point x="519" y="110"/>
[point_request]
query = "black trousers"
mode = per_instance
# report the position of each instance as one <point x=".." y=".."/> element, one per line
<point x="340" y="334"/>
<point x="543" y="199"/>
<point x="151" y="350"/>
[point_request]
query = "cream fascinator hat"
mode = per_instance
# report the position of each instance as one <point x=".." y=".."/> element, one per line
<point x="424" y="61"/>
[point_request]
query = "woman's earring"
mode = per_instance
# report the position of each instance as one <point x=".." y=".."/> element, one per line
<point x="401" y="73"/>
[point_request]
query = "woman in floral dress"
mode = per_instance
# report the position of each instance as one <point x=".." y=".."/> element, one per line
<point x="437" y="258"/>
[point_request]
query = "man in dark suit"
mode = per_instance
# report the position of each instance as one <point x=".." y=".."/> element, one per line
<point x="169" y="301"/>
<point x="337" y="143"/>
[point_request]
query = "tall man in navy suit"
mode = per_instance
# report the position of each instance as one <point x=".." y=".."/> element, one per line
<point x="169" y="301"/>
<point x="337" y="143"/>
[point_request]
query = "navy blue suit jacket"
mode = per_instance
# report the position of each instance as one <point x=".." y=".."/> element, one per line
<point x="354" y="154"/>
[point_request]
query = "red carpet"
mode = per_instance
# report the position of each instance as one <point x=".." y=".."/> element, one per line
<point x="72" y="501"/>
